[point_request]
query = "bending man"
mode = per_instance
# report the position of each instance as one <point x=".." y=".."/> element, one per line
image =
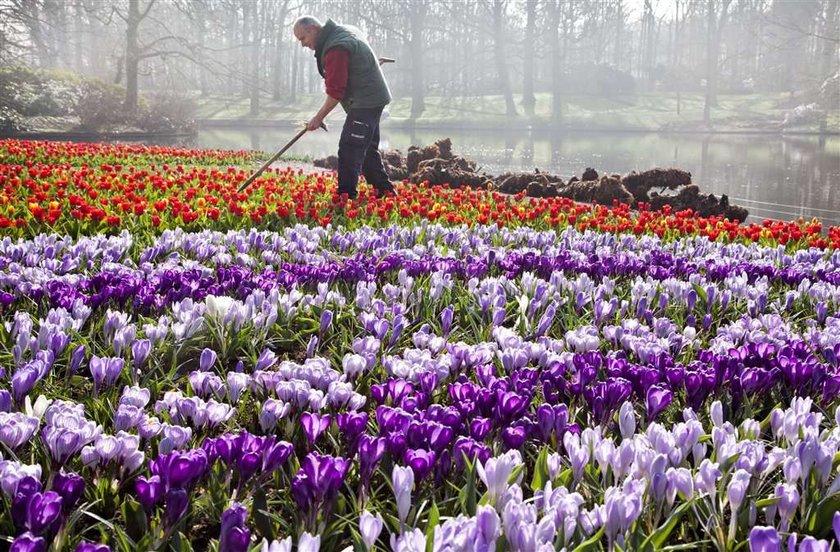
<point x="353" y="78"/>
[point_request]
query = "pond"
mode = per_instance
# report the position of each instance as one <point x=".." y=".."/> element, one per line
<point x="772" y="176"/>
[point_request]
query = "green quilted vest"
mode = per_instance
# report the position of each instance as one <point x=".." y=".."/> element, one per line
<point x="366" y="86"/>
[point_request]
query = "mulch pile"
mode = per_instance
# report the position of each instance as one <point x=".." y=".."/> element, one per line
<point x="438" y="165"/>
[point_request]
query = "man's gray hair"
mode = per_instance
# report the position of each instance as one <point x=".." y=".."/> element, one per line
<point x="308" y="22"/>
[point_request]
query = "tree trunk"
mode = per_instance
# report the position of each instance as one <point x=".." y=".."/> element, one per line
<point x="501" y="59"/>
<point x="275" y="27"/>
<point x="556" y="60"/>
<point x="33" y="18"/>
<point x="277" y="70"/>
<point x="619" y="20"/>
<point x="416" y="46"/>
<point x="201" y="22"/>
<point x="528" y="99"/>
<point x="714" y="29"/>
<point x="56" y="41"/>
<point x="711" y="62"/>
<point x="828" y="59"/>
<point x="78" y="30"/>
<point x="294" y="84"/>
<point x="132" y="55"/>
<point x="258" y="16"/>
<point x="246" y="42"/>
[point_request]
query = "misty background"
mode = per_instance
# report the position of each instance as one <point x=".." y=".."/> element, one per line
<point x="516" y="84"/>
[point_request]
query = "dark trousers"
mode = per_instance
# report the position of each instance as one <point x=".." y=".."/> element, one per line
<point x="358" y="152"/>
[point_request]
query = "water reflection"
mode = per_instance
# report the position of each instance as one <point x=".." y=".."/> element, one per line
<point x="773" y="176"/>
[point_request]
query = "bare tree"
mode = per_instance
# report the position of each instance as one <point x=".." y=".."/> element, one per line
<point x="716" y="13"/>
<point x="499" y="11"/>
<point x="528" y="99"/>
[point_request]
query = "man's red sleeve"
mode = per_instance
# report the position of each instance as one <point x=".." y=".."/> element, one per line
<point x="336" y="62"/>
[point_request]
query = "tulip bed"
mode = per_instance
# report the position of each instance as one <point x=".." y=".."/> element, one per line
<point x="83" y="189"/>
<point x="296" y="370"/>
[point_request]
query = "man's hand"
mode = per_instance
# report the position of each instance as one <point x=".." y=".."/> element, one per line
<point x="315" y="123"/>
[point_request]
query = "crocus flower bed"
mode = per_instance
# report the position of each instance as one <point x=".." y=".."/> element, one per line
<point x="395" y="383"/>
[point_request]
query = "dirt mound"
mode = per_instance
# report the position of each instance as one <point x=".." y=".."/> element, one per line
<point x="437" y="165"/>
<point x="330" y="162"/>
<point x="394" y="165"/>
<point x="640" y="184"/>
<point x="705" y="205"/>
<point x="602" y="190"/>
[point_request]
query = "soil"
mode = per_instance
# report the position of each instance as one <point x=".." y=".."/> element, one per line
<point x="437" y="165"/>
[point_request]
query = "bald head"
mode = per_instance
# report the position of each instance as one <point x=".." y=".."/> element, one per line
<point x="306" y="31"/>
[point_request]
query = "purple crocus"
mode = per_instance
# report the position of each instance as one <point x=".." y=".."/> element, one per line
<point x="764" y="539"/>
<point x="70" y="486"/>
<point x="140" y="351"/>
<point x="810" y="544"/>
<point x="546" y="421"/>
<point x="421" y="462"/>
<point x="370" y="527"/>
<point x="351" y="425"/>
<point x="446" y="317"/>
<point x="19" y="478"/>
<point x="318" y="480"/>
<point x="206" y="360"/>
<point x="788" y="496"/>
<point x="16" y="428"/>
<point x="314" y="425"/>
<point x="309" y="543"/>
<point x="43" y="511"/>
<point x="234" y="536"/>
<point x="180" y="469"/>
<point x="176" y="503"/>
<point x="326" y="321"/>
<point x="275" y="454"/>
<point x="510" y="405"/>
<point x="149" y="491"/>
<point x="737" y="489"/>
<point x="621" y="509"/>
<point x="402" y="480"/>
<point x="76" y="358"/>
<point x="27" y="542"/>
<point x="266" y="360"/>
<point x="657" y="400"/>
<point x="354" y="365"/>
<point x="627" y="420"/>
<point x="23" y="381"/>
<point x="5" y="401"/>
<point x="514" y="437"/>
<point x="105" y="371"/>
<point x="247" y="453"/>
<point x="67" y="430"/>
<point x="86" y="546"/>
<point x="835" y="524"/>
<point x="480" y="427"/>
<point x="371" y="450"/>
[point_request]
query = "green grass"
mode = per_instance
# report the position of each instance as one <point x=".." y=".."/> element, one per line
<point x="655" y="111"/>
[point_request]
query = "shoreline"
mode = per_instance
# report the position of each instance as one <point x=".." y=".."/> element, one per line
<point x="255" y="124"/>
<point x="246" y="124"/>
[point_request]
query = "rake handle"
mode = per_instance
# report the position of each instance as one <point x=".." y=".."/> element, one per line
<point x="274" y="158"/>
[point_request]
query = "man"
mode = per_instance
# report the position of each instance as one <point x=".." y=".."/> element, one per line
<point x="353" y="78"/>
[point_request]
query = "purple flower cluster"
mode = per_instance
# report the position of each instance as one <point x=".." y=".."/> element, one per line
<point x="249" y="454"/>
<point x="37" y="514"/>
<point x="173" y="477"/>
<point x="317" y="482"/>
